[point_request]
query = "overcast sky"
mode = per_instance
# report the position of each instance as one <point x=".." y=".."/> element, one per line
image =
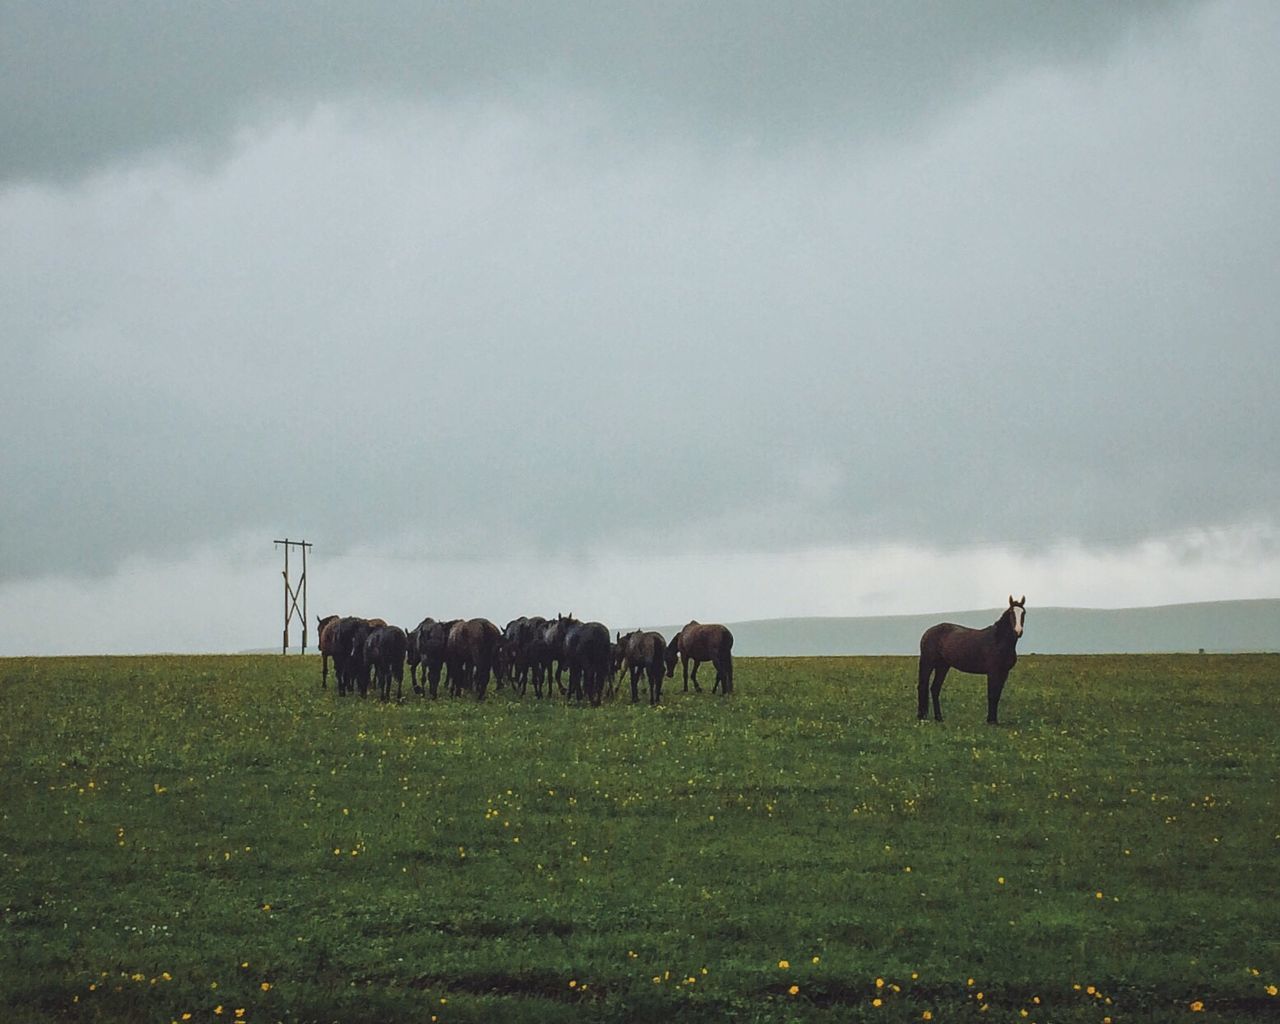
<point x="648" y="311"/>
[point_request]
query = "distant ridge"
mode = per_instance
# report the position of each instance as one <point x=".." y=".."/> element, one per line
<point x="1215" y="626"/>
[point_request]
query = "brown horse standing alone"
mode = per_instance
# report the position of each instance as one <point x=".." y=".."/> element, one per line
<point x="991" y="652"/>
<point x="698" y="643"/>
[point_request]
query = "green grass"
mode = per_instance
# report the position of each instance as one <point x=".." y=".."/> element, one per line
<point x="179" y="834"/>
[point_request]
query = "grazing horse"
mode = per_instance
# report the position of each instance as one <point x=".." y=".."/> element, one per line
<point x="536" y="659"/>
<point x="512" y="639"/>
<point x="644" y="652"/>
<point x="345" y="669"/>
<point x="384" y="653"/>
<point x="433" y="648"/>
<point x="413" y="653"/>
<point x="587" y="653"/>
<point x="991" y="652"/>
<point x="554" y="637"/>
<point x="472" y="653"/>
<point x="698" y="643"/>
<point x="519" y="641"/>
<point x="349" y="663"/>
<point x="326" y="635"/>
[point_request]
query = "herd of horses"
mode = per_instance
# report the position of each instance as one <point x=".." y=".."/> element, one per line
<point x="533" y="649"/>
<point x="467" y="653"/>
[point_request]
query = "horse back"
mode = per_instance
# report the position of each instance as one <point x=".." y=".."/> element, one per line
<point x="705" y="642"/>
<point x="961" y="647"/>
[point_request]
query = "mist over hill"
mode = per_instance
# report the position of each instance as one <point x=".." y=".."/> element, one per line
<point x="1218" y="626"/>
<point x="1214" y="626"/>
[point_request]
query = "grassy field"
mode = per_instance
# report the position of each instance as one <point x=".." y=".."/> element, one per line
<point x="216" y="839"/>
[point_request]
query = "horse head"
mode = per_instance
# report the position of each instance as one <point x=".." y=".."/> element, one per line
<point x="1017" y="614"/>
<point x="672" y="656"/>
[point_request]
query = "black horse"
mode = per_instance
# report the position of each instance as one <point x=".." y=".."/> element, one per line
<point x="541" y="650"/>
<point x="644" y="653"/>
<point x="587" y="652"/>
<point x="554" y="635"/>
<point x="991" y="652"/>
<point x="428" y="644"/>
<point x="384" y="655"/>
<point x="344" y="637"/>
<point x="522" y="651"/>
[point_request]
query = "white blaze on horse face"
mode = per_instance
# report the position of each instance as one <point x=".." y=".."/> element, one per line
<point x="1018" y="613"/>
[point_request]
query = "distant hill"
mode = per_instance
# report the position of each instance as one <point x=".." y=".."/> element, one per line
<point x="1217" y="626"/>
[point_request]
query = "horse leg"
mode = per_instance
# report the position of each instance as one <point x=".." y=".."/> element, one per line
<point x="724" y="674"/>
<point x="936" y="689"/>
<point x="696" y="687"/>
<point x="922" y="705"/>
<point x="635" y="684"/>
<point x="324" y="671"/>
<point x="995" y="686"/>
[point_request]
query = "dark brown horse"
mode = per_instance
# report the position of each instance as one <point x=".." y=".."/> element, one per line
<point x="644" y="653"/>
<point x="554" y="635"/>
<point x="384" y="655"/>
<point x="471" y="655"/>
<point x="697" y="643"/>
<point x="432" y="645"/>
<point x="326" y="641"/>
<point x="991" y="652"/>
<point x="587" y="653"/>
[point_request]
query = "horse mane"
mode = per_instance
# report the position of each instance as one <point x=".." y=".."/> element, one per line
<point x="1003" y="626"/>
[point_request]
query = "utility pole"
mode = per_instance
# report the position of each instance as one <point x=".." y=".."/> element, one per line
<point x="292" y="594"/>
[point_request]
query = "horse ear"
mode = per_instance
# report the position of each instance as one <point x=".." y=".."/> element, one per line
<point x="1012" y="602"/>
<point x="1023" y="601"/>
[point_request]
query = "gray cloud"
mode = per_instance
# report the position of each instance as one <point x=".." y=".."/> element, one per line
<point x="87" y="86"/>
<point x="997" y="294"/>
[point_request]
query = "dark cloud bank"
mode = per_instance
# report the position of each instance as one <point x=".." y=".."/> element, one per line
<point x="487" y="278"/>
